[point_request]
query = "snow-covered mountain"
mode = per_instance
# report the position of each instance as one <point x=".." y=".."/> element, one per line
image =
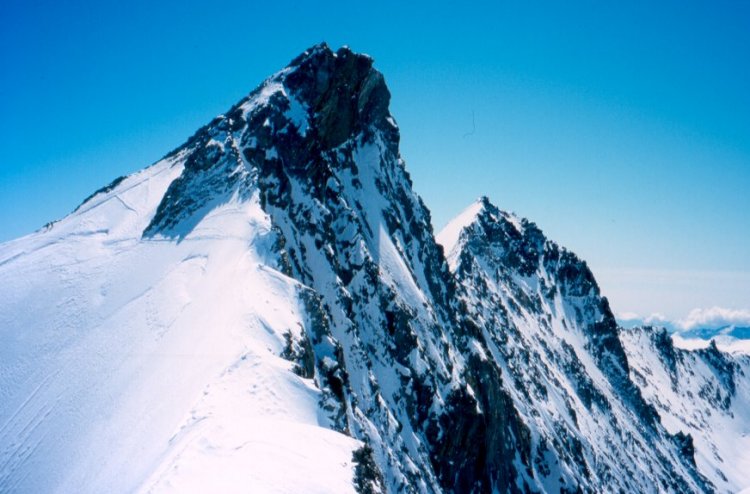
<point x="704" y="393"/>
<point x="731" y="338"/>
<point x="732" y="331"/>
<point x="724" y="342"/>
<point x="267" y="309"/>
<point x="542" y="323"/>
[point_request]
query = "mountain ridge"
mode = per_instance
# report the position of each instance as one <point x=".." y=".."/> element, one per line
<point x="510" y="273"/>
<point x="278" y="278"/>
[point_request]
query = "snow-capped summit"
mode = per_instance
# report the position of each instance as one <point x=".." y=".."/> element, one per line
<point x="267" y="309"/>
<point x="473" y="217"/>
<point x="270" y="289"/>
<point x="449" y="236"/>
<point x="286" y="128"/>
<point x="154" y="339"/>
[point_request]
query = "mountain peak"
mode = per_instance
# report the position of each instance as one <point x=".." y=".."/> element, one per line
<point x="342" y="91"/>
<point x="324" y="50"/>
<point x="321" y="103"/>
<point x="484" y="215"/>
<point x="449" y="236"/>
<point x="314" y="50"/>
<point x="485" y="202"/>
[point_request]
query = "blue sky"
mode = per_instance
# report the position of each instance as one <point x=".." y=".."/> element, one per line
<point x="621" y="128"/>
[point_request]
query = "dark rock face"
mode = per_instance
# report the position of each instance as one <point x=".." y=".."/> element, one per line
<point x="725" y="368"/>
<point x="339" y="96"/>
<point x="685" y="444"/>
<point x="473" y="458"/>
<point x="344" y="94"/>
<point x="445" y="378"/>
<point x="347" y="102"/>
<point x="367" y="476"/>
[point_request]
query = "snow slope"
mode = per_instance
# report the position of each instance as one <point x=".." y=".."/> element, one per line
<point x="238" y="311"/>
<point x="703" y="392"/>
<point x="133" y="363"/>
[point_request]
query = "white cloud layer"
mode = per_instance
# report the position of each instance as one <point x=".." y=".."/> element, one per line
<point x="715" y="317"/>
<point x="711" y="318"/>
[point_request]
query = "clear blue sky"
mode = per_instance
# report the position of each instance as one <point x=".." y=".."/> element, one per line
<point x="621" y="128"/>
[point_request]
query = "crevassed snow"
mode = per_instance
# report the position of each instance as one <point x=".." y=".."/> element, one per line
<point x="152" y="365"/>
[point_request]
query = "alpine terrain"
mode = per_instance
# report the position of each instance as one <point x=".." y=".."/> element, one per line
<point x="267" y="309"/>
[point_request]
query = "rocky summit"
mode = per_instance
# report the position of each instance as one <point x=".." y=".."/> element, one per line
<point x="268" y="309"/>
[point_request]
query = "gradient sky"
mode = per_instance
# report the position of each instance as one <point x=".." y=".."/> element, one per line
<point x="621" y="128"/>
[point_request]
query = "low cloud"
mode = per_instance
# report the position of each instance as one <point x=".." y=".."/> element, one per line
<point x="632" y="319"/>
<point x="715" y="317"/>
<point x="712" y="318"/>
